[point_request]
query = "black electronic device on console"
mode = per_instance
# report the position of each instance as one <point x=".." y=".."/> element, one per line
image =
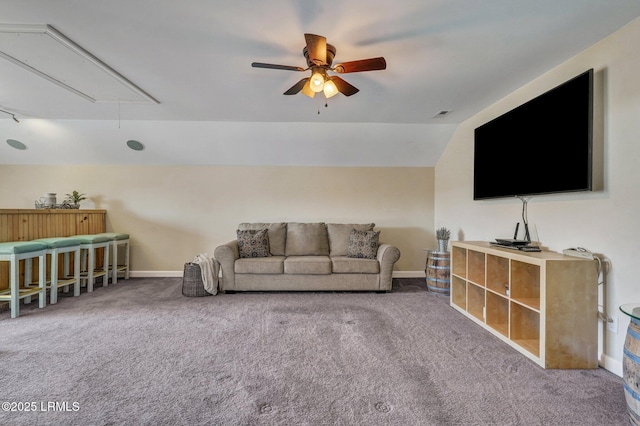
<point x="513" y="242"/>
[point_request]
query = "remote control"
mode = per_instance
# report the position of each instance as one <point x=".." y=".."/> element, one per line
<point x="529" y="248"/>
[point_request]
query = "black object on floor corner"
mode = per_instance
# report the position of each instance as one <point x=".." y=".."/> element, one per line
<point x="192" y="285"/>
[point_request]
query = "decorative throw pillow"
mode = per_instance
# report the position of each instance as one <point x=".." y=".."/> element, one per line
<point x="253" y="243"/>
<point x="339" y="234"/>
<point x="363" y="244"/>
<point x="277" y="233"/>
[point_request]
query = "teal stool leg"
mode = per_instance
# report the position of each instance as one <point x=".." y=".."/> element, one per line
<point x="77" y="261"/>
<point x="42" y="280"/>
<point x="53" y="297"/>
<point x="76" y="271"/>
<point x="105" y="265"/>
<point x="120" y="268"/>
<point x="126" y="260"/>
<point x="114" y="266"/>
<point x="90" y="268"/>
<point x="15" y="287"/>
<point x="91" y="264"/>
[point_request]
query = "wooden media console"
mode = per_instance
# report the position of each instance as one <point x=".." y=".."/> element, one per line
<point x="543" y="304"/>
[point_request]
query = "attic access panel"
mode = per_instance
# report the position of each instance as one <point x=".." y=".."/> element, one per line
<point x="46" y="52"/>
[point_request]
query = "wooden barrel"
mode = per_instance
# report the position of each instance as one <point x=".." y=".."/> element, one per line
<point x="631" y="370"/>
<point x="438" y="272"/>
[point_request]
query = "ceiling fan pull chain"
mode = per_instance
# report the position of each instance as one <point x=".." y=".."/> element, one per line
<point x="326" y="105"/>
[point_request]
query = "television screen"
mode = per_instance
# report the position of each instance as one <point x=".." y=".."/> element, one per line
<point x="541" y="147"/>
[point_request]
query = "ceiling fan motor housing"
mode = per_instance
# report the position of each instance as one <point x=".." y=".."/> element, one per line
<point x="331" y="53"/>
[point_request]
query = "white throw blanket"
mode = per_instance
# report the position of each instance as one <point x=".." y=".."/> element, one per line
<point x="209" y="267"/>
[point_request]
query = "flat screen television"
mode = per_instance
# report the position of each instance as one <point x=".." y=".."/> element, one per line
<point x="541" y="147"/>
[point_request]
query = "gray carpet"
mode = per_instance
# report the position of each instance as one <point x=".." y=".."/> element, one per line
<point x="138" y="352"/>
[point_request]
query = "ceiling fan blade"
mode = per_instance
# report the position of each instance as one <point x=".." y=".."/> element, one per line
<point x="276" y="67"/>
<point x="344" y="87"/>
<point x="372" y="64"/>
<point x="317" y="48"/>
<point x="296" y="87"/>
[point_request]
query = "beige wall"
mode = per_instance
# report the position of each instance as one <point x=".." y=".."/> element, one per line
<point x="175" y="212"/>
<point x="604" y="221"/>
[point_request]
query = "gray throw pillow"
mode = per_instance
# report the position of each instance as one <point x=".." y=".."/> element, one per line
<point x="307" y="239"/>
<point x="253" y="243"/>
<point x="363" y="244"/>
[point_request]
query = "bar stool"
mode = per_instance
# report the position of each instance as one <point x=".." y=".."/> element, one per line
<point x="66" y="246"/>
<point x="14" y="252"/>
<point x="118" y="239"/>
<point x="89" y="244"/>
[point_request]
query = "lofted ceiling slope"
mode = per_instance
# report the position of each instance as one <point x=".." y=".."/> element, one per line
<point x="195" y="56"/>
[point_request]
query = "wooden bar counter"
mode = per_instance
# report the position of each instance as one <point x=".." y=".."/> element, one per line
<point x="30" y="224"/>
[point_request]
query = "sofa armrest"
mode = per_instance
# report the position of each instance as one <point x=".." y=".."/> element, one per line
<point x="388" y="255"/>
<point x="226" y="255"/>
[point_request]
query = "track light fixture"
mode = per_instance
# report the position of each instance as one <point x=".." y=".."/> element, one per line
<point x="11" y="114"/>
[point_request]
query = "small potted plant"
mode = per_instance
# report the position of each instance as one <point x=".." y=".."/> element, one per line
<point x="74" y="198"/>
<point x="442" y="235"/>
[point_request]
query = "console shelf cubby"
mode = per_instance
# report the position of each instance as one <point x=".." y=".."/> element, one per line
<point x="543" y="304"/>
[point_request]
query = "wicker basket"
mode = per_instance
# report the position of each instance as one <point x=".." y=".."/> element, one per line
<point x="192" y="285"/>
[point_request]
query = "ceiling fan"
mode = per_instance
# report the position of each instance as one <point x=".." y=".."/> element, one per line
<point x="319" y="57"/>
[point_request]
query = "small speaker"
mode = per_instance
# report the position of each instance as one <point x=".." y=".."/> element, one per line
<point x="135" y="145"/>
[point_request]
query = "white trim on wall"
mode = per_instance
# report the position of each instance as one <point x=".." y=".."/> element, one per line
<point x="611" y="364"/>
<point x="156" y="274"/>
<point x="408" y="274"/>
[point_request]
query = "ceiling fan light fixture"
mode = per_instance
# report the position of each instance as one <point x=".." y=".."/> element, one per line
<point x="306" y="90"/>
<point x="330" y="89"/>
<point x="317" y="81"/>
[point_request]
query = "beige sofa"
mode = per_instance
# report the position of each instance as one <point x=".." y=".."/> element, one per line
<point x="308" y="257"/>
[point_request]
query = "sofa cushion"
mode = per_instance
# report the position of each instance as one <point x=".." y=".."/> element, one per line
<point x="339" y="234"/>
<point x="307" y="239"/>
<point x="363" y="244"/>
<point x="350" y="265"/>
<point x="260" y="265"/>
<point x="307" y="265"/>
<point x="277" y="235"/>
<point x="253" y="243"/>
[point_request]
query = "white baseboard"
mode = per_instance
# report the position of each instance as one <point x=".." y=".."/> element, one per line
<point x="611" y="364"/>
<point x="156" y="274"/>
<point x="173" y="274"/>
<point x="408" y="274"/>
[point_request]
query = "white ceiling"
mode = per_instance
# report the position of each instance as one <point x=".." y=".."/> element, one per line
<point x="194" y="56"/>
